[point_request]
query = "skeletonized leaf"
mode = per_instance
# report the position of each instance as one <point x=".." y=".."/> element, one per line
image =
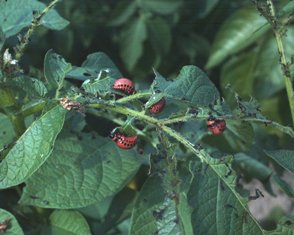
<point x="32" y="86"/>
<point x="55" y="69"/>
<point x="95" y="64"/>
<point x="98" y="86"/>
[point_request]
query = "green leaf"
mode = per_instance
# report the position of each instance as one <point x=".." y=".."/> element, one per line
<point x="97" y="210"/>
<point x="252" y="167"/>
<point x="155" y="210"/>
<point x="160" y="83"/>
<point x="32" y="86"/>
<point x="95" y="64"/>
<point x="160" y="35"/>
<point x="153" y="100"/>
<point x="288" y="8"/>
<point x="270" y="81"/>
<point x="122" y="12"/>
<point x="131" y="42"/>
<point x="283" y="157"/>
<point x="248" y="73"/>
<point x="215" y="205"/>
<point x="6" y="97"/>
<point x="164" y="7"/>
<point x="96" y="167"/>
<point x="239" y="74"/>
<point x="193" y="130"/>
<point x="32" y="148"/>
<point x="2" y="38"/>
<point x="284" y="227"/>
<point x="7" y="132"/>
<point x="120" y="209"/>
<point x="194" y="86"/>
<point x="204" y="7"/>
<point x="55" y="69"/>
<point x="239" y="134"/>
<point x="52" y="20"/>
<point x="65" y="222"/>
<point x="283" y="185"/>
<point x="18" y="14"/>
<point x="13" y="227"/>
<point x="98" y="86"/>
<point x="244" y="27"/>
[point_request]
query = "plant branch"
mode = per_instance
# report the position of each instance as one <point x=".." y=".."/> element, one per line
<point x="270" y="15"/>
<point x="200" y="153"/>
<point x="150" y="120"/>
<point x="35" y="23"/>
<point x="133" y="97"/>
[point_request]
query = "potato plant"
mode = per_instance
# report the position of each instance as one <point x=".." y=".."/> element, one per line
<point x="88" y="148"/>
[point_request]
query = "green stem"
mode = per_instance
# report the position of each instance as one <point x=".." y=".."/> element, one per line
<point x="113" y="119"/>
<point x="201" y="154"/>
<point x="283" y="61"/>
<point x="35" y="23"/>
<point x="133" y="97"/>
<point x="150" y="120"/>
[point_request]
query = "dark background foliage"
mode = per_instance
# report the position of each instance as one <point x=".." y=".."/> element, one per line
<point x="229" y="40"/>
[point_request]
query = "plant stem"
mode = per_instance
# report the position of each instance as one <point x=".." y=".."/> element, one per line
<point x="283" y="60"/>
<point x="200" y="153"/>
<point x="133" y="97"/>
<point x="150" y="120"/>
<point x="35" y="23"/>
<point x="114" y="120"/>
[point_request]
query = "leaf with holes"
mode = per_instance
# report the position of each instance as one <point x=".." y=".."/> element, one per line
<point x="216" y="207"/>
<point x="94" y="66"/>
<point x="155" y="210"/>
<point x="55" y="69"/>
<point x="191" y="85"/>
<point x="32" y="86"/>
